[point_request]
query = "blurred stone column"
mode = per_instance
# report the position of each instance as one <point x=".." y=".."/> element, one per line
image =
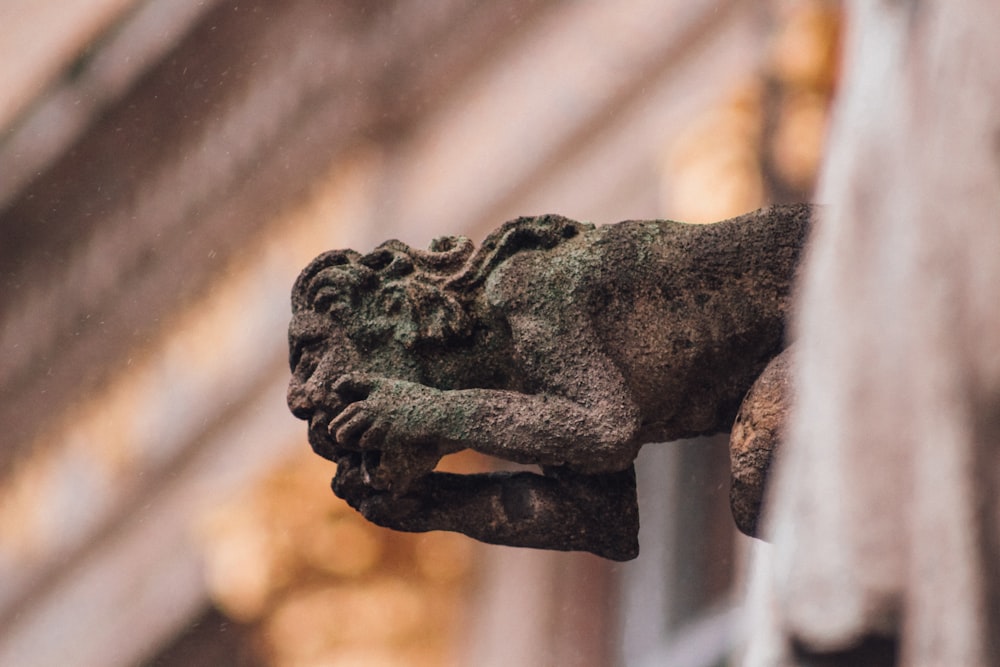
<point x="885" y="531"/>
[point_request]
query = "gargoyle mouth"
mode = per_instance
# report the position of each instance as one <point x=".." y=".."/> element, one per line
<point x="319" y="437"/>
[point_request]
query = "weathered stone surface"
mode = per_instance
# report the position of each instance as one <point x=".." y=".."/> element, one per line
<point x="755" y="438"/>
<point x="556" y="343"/>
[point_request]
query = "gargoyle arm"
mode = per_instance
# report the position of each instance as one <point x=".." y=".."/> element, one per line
<point x="561" y="510"/>
<point x="581" y="416"/>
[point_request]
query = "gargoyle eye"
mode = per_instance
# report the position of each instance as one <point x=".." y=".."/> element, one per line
<point x="330" y="296"/>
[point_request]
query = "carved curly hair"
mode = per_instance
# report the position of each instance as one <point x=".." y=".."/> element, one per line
<point x="418" y="295"/>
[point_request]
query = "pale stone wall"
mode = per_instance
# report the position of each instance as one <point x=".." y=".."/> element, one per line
<point x="885" y="522"/>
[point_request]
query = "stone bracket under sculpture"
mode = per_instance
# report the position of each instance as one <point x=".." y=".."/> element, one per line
<point x="556" y="343"/>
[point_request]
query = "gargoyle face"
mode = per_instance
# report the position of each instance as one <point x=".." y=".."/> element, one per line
<point x="320" y="353"/>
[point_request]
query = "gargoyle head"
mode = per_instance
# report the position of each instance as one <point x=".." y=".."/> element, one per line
<point x="368" y="313"/>
<point x="394" y="292"/>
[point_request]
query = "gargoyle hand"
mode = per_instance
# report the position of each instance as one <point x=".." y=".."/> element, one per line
<point x="596" y="513"/>
<point x="387" y="419"/>
<point x="352" y="484"/>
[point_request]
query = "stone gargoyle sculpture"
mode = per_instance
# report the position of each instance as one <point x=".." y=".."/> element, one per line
<point x="556" y="343"/>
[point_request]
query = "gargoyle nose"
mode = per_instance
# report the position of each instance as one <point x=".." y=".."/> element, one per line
<point x="298" y="400"/>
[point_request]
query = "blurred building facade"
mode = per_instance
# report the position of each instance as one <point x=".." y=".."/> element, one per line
<point x="166" y="168"/>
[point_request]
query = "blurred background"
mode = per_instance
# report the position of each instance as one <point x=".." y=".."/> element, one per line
<point x="166" y="169"/>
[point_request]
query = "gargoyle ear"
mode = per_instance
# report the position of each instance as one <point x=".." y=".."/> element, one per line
<point x="444" y="320"/>
<point x="397" y="314"/>
<point x="417" y="312"/>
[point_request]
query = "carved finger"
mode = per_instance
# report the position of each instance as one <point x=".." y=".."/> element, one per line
<point x="342" y="418"/>
<point x="373" y="437"/>
<point x="348" y="430"/>
<point x="353" y="387"/>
